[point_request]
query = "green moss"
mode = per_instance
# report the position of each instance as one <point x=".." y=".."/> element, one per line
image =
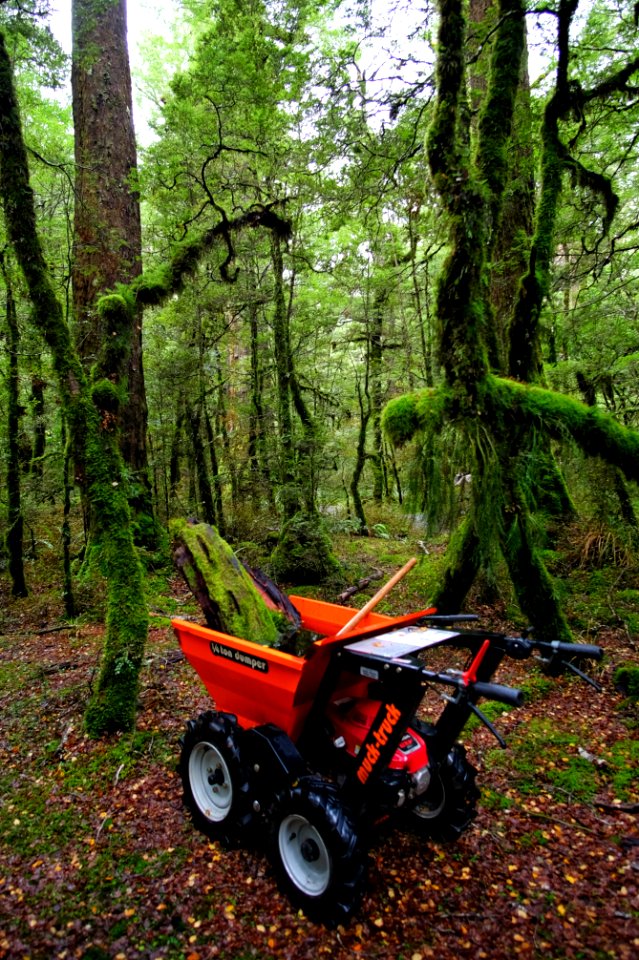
<point x="422" y="411"/>
<point x="624" y="762"/>
<point x="626" y="680"/>
<point x="152" y="287"/>
<point x="533" y="584"/>
<point x="304" y="553"/>
<point x="234" y="600"/>
<point x="496" y="117"/>
<point x="98" y="460"/>
<point x="461" y="565"/>
<point x="545" y="753"/>
<point x="596" y="432"/>
<point x="106" y="396"/>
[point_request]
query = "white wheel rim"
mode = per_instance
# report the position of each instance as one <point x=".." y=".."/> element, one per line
<point x="304" y="855"/>
<point x="210" y="781"/>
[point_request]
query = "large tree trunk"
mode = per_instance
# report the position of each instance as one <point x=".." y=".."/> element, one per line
<point x="107" y="232"/>
<point x="90" y="412"/>
<point x="15" y="521"/>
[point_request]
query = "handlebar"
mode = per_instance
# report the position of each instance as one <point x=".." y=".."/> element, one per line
<point x="585" y="650"/>
<point x="511" y="696"/>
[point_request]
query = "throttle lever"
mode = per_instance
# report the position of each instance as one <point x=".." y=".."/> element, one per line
<point x="484" y="719"/>
<point x="580" y="673"/>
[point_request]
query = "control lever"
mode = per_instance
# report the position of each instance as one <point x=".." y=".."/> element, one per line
<point x="486" y="722"/>
<point x="584" y="676"/>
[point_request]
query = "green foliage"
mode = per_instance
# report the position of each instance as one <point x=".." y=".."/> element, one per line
<point x="304" y="553"/>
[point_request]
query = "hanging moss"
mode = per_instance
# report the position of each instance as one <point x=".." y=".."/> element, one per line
<point x="304" y="553"/>
<point x="226" y="593"/>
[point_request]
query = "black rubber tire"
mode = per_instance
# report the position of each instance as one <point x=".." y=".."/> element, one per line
<point x="216" y="783"/>
<point x="449" y="806"/>
<point x="317" y="852"/>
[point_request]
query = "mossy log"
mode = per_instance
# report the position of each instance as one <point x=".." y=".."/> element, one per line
<point x="224" y="588"/>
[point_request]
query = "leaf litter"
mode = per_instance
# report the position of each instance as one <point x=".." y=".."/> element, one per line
<point x="98" y="859"/>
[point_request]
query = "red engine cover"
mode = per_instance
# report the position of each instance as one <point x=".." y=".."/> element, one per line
<point x="352" y="720"/>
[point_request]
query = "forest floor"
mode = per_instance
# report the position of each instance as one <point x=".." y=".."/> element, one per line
<point x="98" y="859"/>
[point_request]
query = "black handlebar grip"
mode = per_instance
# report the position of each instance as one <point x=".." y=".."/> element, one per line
<point x="590" y="651"/>
<point x="495" y="691"/>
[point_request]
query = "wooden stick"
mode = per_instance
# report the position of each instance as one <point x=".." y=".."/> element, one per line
<point x="381" y="593"/>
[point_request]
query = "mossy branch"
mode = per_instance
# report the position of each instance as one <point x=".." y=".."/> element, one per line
<point x="424" y="411"/>
<point x="595" y="432"/>
<point x="516" y="408"/>
<point x="154" y="287"/>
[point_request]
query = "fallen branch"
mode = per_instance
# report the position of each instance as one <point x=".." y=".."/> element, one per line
<point x="618" y="807"/>
<point x="360" y="585"/>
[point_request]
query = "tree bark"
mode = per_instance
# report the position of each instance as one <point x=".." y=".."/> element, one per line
<point x="15" y="520"/>
<point x="107" y="231"/>
<point x="91" y="413"/>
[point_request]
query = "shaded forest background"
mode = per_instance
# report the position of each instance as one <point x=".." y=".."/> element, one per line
<point x="265" y="379"/>
<point x="311" y="235"/>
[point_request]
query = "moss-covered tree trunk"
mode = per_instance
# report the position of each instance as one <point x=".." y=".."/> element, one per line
<point x="375" y="366"/>
<point x="472" y="187"/>
<point x="36" y="466"/>
<point x="507" y="426"/>
<point x="15" y="520"/>
<point x="205" y="507"/>
<point x="256" y="446"/>
<point x="216" y="478"/>
<point x="289" y="493"/>
<point x="360" y="457"/>
<point x="222" y="586"/>
<point x="91" y="413"/>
